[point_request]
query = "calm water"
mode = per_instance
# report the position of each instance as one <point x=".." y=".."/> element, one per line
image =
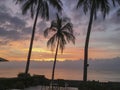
<point x="48" y="88"/>
<point x="11" y="69"/>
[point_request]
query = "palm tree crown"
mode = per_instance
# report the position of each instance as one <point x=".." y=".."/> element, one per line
<point x="63" y="32"/>
<point x="31" y="5"/>
<point x="97" y="5"/>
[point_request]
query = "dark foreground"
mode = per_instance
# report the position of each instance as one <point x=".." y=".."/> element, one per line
<point x="24" y="82"/>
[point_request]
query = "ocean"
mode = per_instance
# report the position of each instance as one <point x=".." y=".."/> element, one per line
<point x="70" y="70"/>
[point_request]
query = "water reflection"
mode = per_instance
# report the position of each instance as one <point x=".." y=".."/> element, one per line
<point x="48" y="88"/>
<point x="13" y="68"/>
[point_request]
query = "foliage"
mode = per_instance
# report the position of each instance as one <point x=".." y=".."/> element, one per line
<point x="30" y="5"/>
<point x="21" y="83"/>
<point x="23" y="75"/>
<point x="62" y="30"/>
<point x="99" y="5"/>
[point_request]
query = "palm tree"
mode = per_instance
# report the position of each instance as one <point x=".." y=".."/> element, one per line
<point x="63" y="34"/>
<point x="39" y="7"/>
<point x="93" y="6"/>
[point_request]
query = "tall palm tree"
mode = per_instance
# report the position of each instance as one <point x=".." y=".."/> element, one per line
<point x="39" y="7"/>
<point x="63" y="34"/>
<point x="93" y="6"/>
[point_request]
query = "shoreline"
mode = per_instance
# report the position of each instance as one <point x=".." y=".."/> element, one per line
<point x="36" y="80"/>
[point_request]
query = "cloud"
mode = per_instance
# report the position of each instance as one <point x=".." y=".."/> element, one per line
<point x="3" y="8"/>
<point x="12" y="27"/>
<point x="26" y="31"/>
<point x="115" y="18"/>
<point x="9" y="35"/>
<point x="108" y="65"/>
<point x="117" y="29"/>
<point x="42" y="25"/>
<point x="3" y="43"/>
<point x="7" y="20"/>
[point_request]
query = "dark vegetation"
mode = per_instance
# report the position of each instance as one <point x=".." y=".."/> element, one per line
<point x="3" y="60"/>
<point x="92" y="85"/>
<point x="24" y="81"/>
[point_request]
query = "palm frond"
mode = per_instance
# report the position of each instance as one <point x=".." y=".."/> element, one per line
<point x="114" y="2"/>
<point x="32" y="11"/>
<point x="99" y="5"/>
<point x="62" y="42"/>
<point x="68" y="27"/>
<point x="31" y="5"/>
<point x="105" y="7"/>
<point x="52" y="42"/>
<point x="44" y="10"/>
<point x="54" y="24"/>
<point x="69" y="37"/>
<point x="84" y="4"/>
<point x="28" y="5"/>
<point x="46" y="31"/>
<point x="59" y="21"/>
<point x="56" y="4"/>
<point x="19" y="1"/>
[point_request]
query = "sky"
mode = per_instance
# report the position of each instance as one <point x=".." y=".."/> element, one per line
<point x="15" y="33"/>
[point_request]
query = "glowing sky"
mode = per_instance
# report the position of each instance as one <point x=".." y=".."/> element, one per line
<point x="15" y="32"/>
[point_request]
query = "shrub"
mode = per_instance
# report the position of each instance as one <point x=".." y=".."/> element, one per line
<point x="23" y="75"/>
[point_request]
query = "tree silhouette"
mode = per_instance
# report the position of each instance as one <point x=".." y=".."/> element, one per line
<point x="63" y="34"/>
<point x="39" y="7"/>
<point x="93" y="6"/>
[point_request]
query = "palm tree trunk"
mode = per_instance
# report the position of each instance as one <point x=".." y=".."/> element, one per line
<point x="54" y="64"/>
<point x="32" y="38"/>
<point x="87" y="44"/>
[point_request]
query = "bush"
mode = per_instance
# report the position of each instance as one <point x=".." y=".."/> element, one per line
<point x="19" y="85"/>
<point x="23" y="75"/>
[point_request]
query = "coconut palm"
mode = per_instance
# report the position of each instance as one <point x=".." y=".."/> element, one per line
<point x="39" y="7"/>
<point x="63" y="34"/>
<point x="93" y="6"/>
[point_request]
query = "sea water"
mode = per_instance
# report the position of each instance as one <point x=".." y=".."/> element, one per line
<point x="66" y="71"/>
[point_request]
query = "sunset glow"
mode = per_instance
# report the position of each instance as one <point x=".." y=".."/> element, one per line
<point x="15" y="34"/>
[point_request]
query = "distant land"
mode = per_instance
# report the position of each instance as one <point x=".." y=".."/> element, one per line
<point x="3" y="60"/>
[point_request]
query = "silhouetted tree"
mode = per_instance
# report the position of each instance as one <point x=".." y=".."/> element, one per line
<point x="93" y="6"/>
<point x="39" y="7"/>
<point x="63" y="34"/>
